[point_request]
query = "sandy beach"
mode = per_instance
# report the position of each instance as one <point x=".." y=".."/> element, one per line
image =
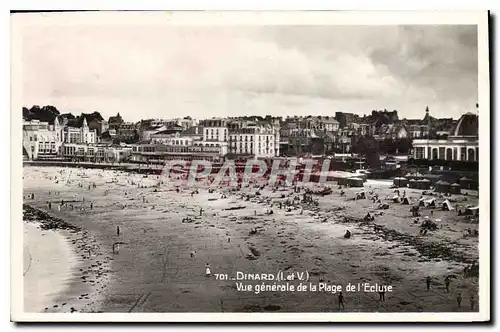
<point x="62" y="271"/>
<point x="158" y="229"/>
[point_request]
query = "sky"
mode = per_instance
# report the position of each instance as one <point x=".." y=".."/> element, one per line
<point x="154" y="71"/>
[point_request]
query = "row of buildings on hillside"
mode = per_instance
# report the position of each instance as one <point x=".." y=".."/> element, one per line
<point x="156" y="140"/>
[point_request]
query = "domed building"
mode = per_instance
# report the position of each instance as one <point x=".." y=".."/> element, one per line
<point x="462" y="144"/>
<point x="467" y="126"/>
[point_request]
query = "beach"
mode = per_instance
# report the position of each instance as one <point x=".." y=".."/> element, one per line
<point x="157" y="229"/>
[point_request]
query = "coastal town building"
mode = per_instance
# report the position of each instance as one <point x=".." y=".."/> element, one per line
<point x="254" y="139"/>
<point x="40" y="139"/>
<point x="185" y="123"/>
<point x="95" y="153"/>
<point x="159" y="153"/>
<point x="461" y="145"/>
<point x="100" y="126"/>
<point x="79" y="135"/>
<point x="115" y="121"/>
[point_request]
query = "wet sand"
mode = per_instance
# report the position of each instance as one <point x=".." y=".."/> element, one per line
<point x="49" y="265"/>
<point x="153" y="272"/>
<point x="64" y="270"/>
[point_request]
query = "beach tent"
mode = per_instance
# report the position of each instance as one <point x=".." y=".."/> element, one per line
<point x="472" y="210"/>
<point x="442" y="186"/>
<point x="466" y="183"/>
<point x="423" y="184"/>
<point x="412" y="183"/>
<point x="396" y="199"/>
<point x="430" y="202"/>
<point x="342" y="181"/>
<point x="400" y="182"/>
<point x="356" y="182"/>
<point x="421" y="202"/>
<point x="406" y="201"/>
<point x="361" y="195"/>
<point x="447" y="206"/>
<point x="455" y="188"/>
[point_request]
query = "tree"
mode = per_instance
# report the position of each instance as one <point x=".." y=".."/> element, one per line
<point x="43" y="114"/>
<point x="368" y="147"/>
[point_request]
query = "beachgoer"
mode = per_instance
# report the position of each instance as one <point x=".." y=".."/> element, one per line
<point x="381" y="296"/>
<point x="428" y="282"/>
<point x="118" y="230"/>
<point x="50" y="206"/>
<point x="208" y="272"/>
<point x="341" y="300"/>
<point x="447" y="283"/>
<point x="459" y="300"/>
<point x="193" y="254"/>
<point x="472" y="301"/>
<point x="116" y="248"/>
<point x="91" y="206"/>
<point x="201" y="212"/>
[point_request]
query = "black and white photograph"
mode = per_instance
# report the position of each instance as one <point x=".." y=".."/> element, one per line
<point x="250" y="166"/>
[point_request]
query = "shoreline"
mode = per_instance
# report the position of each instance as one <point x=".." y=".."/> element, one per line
<point x="77" y="294"/>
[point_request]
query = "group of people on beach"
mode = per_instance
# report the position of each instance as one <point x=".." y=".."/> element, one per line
<point x="306" y="201"/>
<point x="447" y="282"/>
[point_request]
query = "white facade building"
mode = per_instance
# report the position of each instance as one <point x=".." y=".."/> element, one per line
<point x="82" y="135"/>
<point x="40" y="139"/>
<point x="256" y="140"/>
<point x="184" y="123"/>
<point x="95" y="152"/>
<point x="461" y="145"/>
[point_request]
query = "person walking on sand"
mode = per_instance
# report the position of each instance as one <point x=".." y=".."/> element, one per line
<point x="208" y="272"/>
<point x="472" y="301"/>
<point x="459" y="300"/>
<point x="381" y="296"/>
<point x="118" y="230"/>
<point x="91" y="205"/>
<point x="341" y="300"/>
<point x="428" y="282"/>
<point x="447" y="283"/>
<point x="201" y="212"/>
<point x="50" y="206"/>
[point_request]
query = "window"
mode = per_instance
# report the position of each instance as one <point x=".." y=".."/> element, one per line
<point x="419" y="153"/>
<point x="442" y="153"/>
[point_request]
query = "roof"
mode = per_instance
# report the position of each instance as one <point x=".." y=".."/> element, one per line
<point x="329" y="120"/>
<point x="467" y="125"/>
